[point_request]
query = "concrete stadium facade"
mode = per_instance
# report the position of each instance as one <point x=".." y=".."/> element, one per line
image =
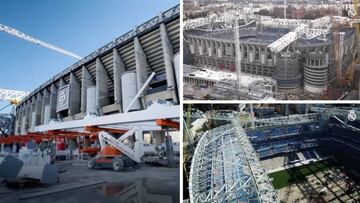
<point x="147" y="48"/>
<point x="297" y="66"/>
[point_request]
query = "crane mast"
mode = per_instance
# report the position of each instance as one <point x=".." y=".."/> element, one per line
<point x="237" y="51"/>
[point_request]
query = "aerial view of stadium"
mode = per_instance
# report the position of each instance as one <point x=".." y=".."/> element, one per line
<point x="271" y="153"/>
<point x="271" y="49"/>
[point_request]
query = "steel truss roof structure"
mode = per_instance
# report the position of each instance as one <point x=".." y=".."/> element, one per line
<point x="219" y="171"/>
<point x="264" y="187"/>
<point x="261" y="123"/>
<point x="225" y="166"/>
<point x="335" y="111"/>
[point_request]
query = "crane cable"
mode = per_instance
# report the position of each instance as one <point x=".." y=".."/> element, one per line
<point x="5" y="107"/>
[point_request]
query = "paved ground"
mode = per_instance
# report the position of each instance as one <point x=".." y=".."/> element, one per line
<point x="154" y="184"/>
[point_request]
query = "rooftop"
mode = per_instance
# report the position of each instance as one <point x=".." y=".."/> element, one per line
<point x="215" y="76"/>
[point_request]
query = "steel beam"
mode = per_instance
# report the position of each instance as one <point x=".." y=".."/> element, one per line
<point x="262" y="123"/>
<point x="265" y="189"/>
<point x="155" y="111"/>
<point x="219" y="172"/>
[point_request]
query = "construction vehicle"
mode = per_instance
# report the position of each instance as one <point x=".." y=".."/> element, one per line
<point x="116" y="154"/>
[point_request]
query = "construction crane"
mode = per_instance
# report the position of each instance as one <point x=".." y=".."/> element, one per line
<point x="12" y="96"/>
<point x="7" y="120"/>
<point x="28" y="38"/>
<point x="237" y="51"/>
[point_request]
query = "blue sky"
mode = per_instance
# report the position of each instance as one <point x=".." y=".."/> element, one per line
<point x="79" y="26"/>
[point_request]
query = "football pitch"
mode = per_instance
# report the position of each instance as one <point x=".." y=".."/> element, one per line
<point x="298" y="174"/>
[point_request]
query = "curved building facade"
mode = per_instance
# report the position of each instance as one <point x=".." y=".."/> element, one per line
<point x="216" y="48"/>
<point x="287" y="71"/>
<point x="147" y="48"/>
<point x="316" y="72"/>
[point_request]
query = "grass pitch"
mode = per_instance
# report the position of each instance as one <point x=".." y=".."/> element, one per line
<point x="286" y="177"/>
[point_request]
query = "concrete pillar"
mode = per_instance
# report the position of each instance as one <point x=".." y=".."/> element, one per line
<point x="169" y="150"/>
<point x="141" y="67"/>
<point x="62" y="83"/>
<point x="74" y="95"/>
<point x="168" y="57"/>
<point x="31" y="113"/>
<point x="86" y="82"/>
<point x="211" y="48"/>
<point x="23" y="128"/>
<point x="26" y="116"/>
<point x="242" y="52"/>
<point x="274" y="58"/>
<point x="102" y="78"/>
<point x="53" y="101"/>
<point x="252" y="55"/>
<point x="18" y="120"/>
<point x="216" y="47"/>
<point x="38" y="108"/>
<point x="247" y="53"/>
<point x="233" y="50"/>
<point x="266" y="56"/>
<point x="201" y="47"/>
<point x="286" y="110"/>
<point x="220" y="50"/>
<point x="158" y="138"/>
<point x="119" y="68"/>
<point x="206" y="46"/>
<point x="36" y="112"/>
<point x="192" y="45"/>
<point x="227" y="49"/>
<point x="45" y="103"/>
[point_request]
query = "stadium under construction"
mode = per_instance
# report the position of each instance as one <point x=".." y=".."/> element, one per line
<point x="238" y="53"/>
<point x="271" y="153"/>
<point x="116" y="109"/>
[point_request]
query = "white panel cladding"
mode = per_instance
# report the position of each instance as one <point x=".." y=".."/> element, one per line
<point x="128" y="83"/>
